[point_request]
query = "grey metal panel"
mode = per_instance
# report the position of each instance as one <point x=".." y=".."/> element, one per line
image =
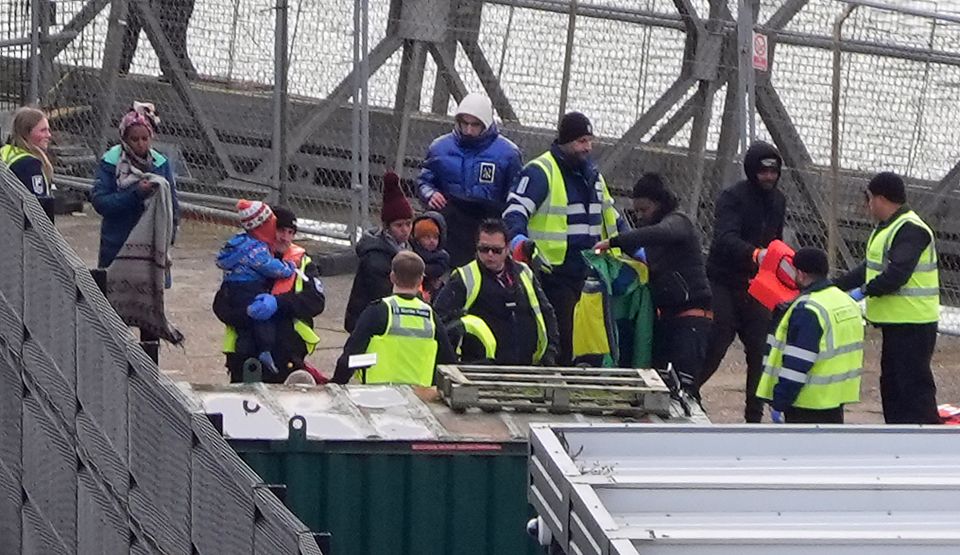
<point x="39" y="536"/>
<point x="159" y="447"/>
<point x="751" y="489"/>
<point x="102" y="396"/>
<point x="11" y="397"/>
<point x="11" y="430"/>
<point x="272" y="529"/>
<point x="819" y="547"/>
<point x="11" y="325"/>
<point x="222" y="496"/>
<point x="101" y="523"/>
<point x="49" y="479"/>
<point x="10" y="501"/>
<point x="11" y="247"/>
<point x="39" y="369"/>
<point x="49" y="302"/>
<point x="619" y="450"/>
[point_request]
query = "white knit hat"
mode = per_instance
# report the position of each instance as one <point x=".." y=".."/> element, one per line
<point x="478" y="106"/>
<point x="253" y="213"/>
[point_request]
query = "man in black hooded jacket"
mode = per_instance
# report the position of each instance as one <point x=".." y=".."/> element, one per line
<point x="749" y="215"/>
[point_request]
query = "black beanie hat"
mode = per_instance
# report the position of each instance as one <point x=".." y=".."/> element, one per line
<point x="889" y="186"/>
<point x="573" y="126"/>
<point x="811" y="260"/>
<point x="285" y="218"/>
<point x="760" y="155"/>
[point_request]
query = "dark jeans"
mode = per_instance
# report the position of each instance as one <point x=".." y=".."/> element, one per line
<point x="174" y="17"/>
<point x="463" y="219"/>
<point x="794" y="415"/>
<point x="682" y="341"/>
<point x="563" y="294"/>
<point x="737" y="314"/>
<point x="907" y="389"/>
<point x="256" y="336"/>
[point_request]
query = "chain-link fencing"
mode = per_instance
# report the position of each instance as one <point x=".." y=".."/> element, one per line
<point x="99" y="452"/>
<point x="677" y="87"/>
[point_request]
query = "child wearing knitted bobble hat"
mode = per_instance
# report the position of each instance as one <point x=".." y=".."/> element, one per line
<point x="249" y="269"/>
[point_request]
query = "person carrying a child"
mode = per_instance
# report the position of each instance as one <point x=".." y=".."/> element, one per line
<point x="249" y="269"/>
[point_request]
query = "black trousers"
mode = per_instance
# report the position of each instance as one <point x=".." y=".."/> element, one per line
<point x="794" y="415"/>
<point x="563" y="294"/>
<point x="737" y="314"/>
<point x="682" y="341"/>
<point x="174" y="17"/>
<point x="907" y="390"/>
<point x="463" y="219"/>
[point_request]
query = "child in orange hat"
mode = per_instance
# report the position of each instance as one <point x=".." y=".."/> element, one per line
<point x="249" y="269"/>
<point x="429" y="234"/>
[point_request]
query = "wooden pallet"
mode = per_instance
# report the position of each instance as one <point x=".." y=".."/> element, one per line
<point x="614" y="391"/>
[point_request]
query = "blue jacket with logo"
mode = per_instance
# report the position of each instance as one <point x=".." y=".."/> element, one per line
<point x="471" y="168"/>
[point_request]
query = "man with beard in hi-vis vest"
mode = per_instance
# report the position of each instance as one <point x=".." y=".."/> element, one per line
<point x="560" y="207"/>
<point x="901" y="284"/>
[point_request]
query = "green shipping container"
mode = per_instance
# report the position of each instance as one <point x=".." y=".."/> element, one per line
<point x="383" y="471"/>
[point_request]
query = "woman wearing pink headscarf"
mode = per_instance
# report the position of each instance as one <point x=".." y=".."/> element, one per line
<point x="128" y="174"/>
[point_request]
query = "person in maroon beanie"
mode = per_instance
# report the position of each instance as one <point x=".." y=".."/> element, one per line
<point x="376" y="250"/>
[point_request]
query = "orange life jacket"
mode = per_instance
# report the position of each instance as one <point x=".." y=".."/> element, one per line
<point x="775" y="281"/>
<point x="294" y="254"/>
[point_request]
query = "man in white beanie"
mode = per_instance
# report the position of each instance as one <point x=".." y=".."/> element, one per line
<point x="467" y="174"/>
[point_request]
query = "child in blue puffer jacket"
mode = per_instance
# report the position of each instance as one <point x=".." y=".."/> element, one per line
<point x="249" y="270"/>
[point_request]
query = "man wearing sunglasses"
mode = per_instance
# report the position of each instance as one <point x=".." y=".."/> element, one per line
<point x="498" y="306"/>
<point x="467" y="173"/>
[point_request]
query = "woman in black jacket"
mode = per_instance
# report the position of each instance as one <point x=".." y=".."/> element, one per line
<point x="670" y="244"/>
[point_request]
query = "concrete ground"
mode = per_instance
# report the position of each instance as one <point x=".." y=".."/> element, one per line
<point x="196" y="279"/>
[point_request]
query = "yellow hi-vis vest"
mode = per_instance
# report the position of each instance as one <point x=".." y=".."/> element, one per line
<point x="306" y="333"/>
<point x="471" y="276"/>
<point x="475" y="326"/>
<point x="834" y="378"/>
<point x="407" y="350"/>
<point x="11" y="154"/>
<point x="918" y="301"/>
<point x="548" y="225"/>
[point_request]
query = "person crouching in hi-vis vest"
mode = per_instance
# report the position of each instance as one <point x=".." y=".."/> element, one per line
<point x="901" y="284"/>
<point x="504" y="314"/>
<point x="558" y="208"/>
<point x="815" y="357"/>
<point x="401" y="330"/>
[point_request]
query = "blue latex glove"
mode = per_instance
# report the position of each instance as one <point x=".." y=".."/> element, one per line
<point x="517" y="240"/>
<point x="640" y="254"/>
<point x="856" y="294"/>
<point x="776" y="416"/>
<point x="263" y="307"/>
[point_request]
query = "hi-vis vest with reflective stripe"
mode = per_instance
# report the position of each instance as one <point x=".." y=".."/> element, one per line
<point x="407" y="350"/>
<point x="11" y="154"/>
<point x="834" y="378"/>
<point x="548" y="225"/>
<point x="918" y="301"/>
<point x="471" y="276"/>
<point x="306" y="333"/>
<point x="475" y="326"/>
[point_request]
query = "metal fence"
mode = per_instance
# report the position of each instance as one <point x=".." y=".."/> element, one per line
<point x="99" y="452"/>
<point x="257" y="95"/>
